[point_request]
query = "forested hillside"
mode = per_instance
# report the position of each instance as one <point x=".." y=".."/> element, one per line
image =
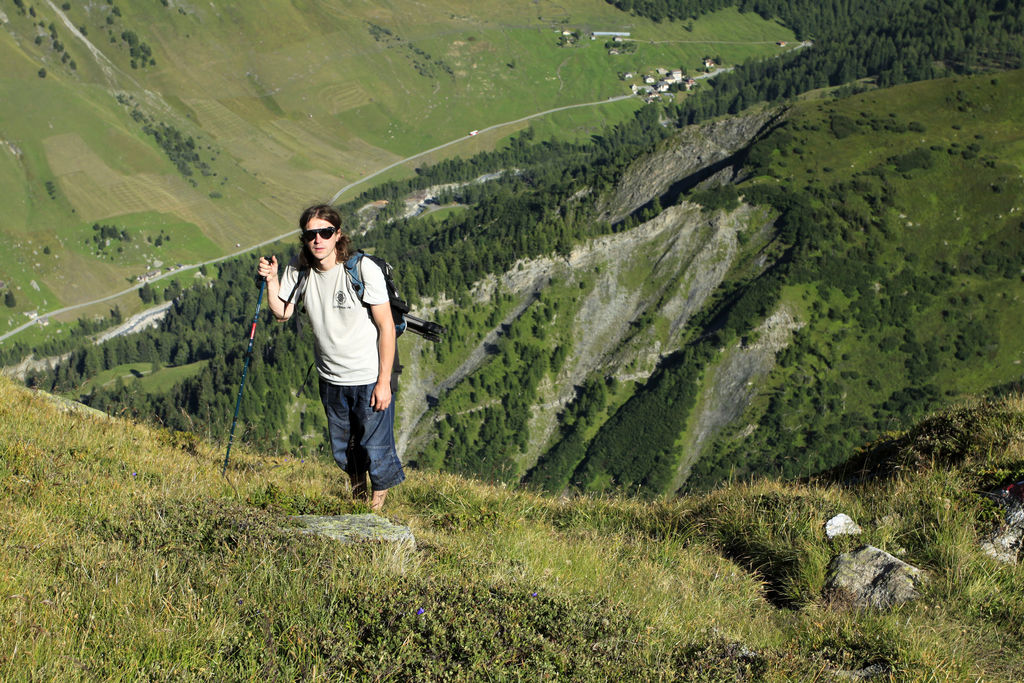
<point x="869" y="239"/>
<point x="907" y="266"/>
<point x="799" y="280"/>
<point x="890" y="42"/>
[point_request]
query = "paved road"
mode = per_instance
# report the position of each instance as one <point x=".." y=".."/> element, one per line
<point x="272" y="240"/>
<point x="467" y="137"/>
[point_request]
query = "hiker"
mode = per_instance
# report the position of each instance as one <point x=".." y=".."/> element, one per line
<point x="354" y="349"/>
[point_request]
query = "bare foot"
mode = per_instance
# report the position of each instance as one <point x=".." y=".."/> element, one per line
<point x="377" y="501"/>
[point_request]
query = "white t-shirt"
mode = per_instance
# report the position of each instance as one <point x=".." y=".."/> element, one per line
<point x="346" y="337"/>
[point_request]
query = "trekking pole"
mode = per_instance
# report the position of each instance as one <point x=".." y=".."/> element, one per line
<point x="245" y="370"/>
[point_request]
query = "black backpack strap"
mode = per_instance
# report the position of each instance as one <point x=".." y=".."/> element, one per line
<point x="303" y="274"/>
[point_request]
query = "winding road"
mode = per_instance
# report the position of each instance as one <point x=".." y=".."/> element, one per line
<point x="272" y="240"/>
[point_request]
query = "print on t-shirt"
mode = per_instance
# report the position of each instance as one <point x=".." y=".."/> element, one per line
<point x="340" y="299"/>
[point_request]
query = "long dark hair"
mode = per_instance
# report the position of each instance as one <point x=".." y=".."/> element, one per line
<point x="329" y="214"/>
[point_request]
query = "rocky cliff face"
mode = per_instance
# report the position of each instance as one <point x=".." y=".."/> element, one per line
<point x="661" y="272"/>
<point x="729" y="387"/>
<point x="698" y="154"/>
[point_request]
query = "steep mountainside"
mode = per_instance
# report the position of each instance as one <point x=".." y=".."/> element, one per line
<point x="824" y="273"/>
<point x="600" y="302"/>
<point x="878" y="279"/>
<point x="700" y="155"/>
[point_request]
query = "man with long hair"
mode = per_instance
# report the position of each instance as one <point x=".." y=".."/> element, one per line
<point x="354" y="348"/>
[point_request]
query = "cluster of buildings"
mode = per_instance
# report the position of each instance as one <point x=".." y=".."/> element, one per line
<point x="655" y="84"/>
<point x="617" y="36"/>
<point x="663" y="81"/>
<point x="42" y="321"/>
<point x="157" y="272"/>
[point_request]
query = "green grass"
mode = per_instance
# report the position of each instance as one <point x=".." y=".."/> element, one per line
<point x="127" y="373"/>
<point x="183" y="241"/>
<point x="157" y="567"/>
<point x="444" y="212"/>
<point x="165" y="378"/>
<point x="147" y="380"/>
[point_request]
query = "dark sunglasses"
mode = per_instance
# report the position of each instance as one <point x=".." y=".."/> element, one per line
<point x="325" y="234"/>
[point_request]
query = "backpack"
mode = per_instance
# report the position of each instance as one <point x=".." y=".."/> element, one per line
<point x="430" y="331"/>
<point x="399" y="308"/>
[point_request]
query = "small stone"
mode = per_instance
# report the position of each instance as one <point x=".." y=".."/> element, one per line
<point x="841" y="525"/>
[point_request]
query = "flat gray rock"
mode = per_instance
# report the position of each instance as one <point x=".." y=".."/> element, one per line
<point x="871" y="577"/>
<point x="356" y="528"/>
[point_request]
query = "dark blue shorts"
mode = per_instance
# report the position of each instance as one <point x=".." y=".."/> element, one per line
<point x="362" y="439"/>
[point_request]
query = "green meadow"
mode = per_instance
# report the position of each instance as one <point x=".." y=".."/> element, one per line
<point x="957" y="201"/>
<point x="911" y="279"/>
<point x="148" y="379"/>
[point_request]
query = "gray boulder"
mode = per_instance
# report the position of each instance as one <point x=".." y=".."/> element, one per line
<point x="870" y="577"/>
<point x="356" y="528"/>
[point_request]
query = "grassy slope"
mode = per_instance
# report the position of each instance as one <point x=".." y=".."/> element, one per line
<point x="149" y="381"/>
<point x="157" y="567"/>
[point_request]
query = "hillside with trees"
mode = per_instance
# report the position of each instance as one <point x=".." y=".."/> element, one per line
<point x="847" y="263"/>
<point x="884" y="288"/>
